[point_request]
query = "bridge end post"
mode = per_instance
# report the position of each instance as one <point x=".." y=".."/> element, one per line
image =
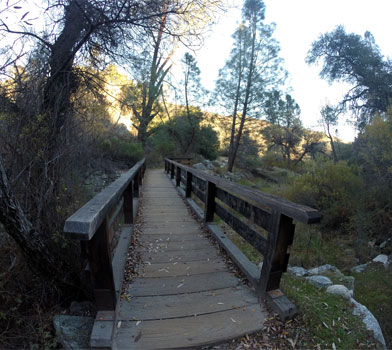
<point x="280" y="238"/>
<point x="178" y="176"/>
<point x="128" y="205"/>
<point x="101" y="271"/>
<point x="188" y="189"/>
<point x="209" y="208"/>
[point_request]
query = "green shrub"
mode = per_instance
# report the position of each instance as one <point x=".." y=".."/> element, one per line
<point x="121" y="148"/>
<point x="332" y="188"/>
<point x="181" y="136"/>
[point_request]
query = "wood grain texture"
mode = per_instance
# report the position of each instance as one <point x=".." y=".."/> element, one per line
<point x="184" y="295"/>
<point x="182" y="268"/>
<point x="189" y="332"/>
<point x="186" y="305"/>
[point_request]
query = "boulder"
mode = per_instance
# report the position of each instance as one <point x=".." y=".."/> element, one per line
<point x="83" y="308"/>
<point x="73" y="331"/>
<point x="369" y="320"/>
<point x="199" y="166"/>
<point x="339" y="289"/>
<point x="298" y="271"/>
<point x="382" y="258"/>
<point x="208" y="164"/>
<point x="359" y="268"/>
<point x="322" y="269"/>
<point x="319" y="281"/>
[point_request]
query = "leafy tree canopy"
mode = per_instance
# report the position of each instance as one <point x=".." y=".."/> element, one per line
<point x="358" y="61"/>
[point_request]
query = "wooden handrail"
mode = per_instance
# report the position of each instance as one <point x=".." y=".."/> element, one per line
<point x="263" y="220"/>
<point x="93" y="223"/>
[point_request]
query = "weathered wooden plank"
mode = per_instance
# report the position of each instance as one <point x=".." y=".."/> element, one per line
<point x="243" y="229"/>
<point x="198" y="182"/>
<point x="209" y="202"/>
<point x="257" y="215"/>
<point x="184" y="228"/>
<point x="182" y="268"/>
<point x="185" y="305"/>
<point x="250" y="270"/>
<point x="179" y="255"/>
<point x="168" y="246"/>
<point x="85" y="222"/>
<point x="100" y="263"/>
<point x="296" y="211"/>
<point x="168" y="218"/>
<point x="169" y="237"/>
<point x="181" y="284"/>
<point x="188" y="332"/>
<point x="199" y="194"/>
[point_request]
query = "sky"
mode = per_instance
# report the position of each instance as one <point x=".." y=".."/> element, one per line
<point x="298" y="24"/>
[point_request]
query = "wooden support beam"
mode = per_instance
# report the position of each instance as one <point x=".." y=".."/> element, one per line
<point x="172" y="171"/>
<point x="188" y="186"/>
<point x="178" y="176"/>
<point x="128" y="205"/>
<point x="100" y="263"/>
<point x="136" y="186"/>
<point x="210" y="202"/>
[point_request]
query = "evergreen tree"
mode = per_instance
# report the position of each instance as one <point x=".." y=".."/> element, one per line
<point x="251" y="70"/>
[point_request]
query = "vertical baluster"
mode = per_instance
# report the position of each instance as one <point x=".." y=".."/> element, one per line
<point x="100" y="263"/>
<point x="209" y="208"/>
<point x="136" y="186"/>
<point x="128" y="205"/>
<point x="171" y="170"/>
<point x="178" y="176"/>
<point x="188" y="191"/>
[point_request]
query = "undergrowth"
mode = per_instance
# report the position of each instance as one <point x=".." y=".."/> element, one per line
<point x="27" y="304"/>
<point x="373" y="288"/>
<point x="329" y="319"/>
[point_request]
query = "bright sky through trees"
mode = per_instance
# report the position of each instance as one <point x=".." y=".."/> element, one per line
<point x="298" y="24"/>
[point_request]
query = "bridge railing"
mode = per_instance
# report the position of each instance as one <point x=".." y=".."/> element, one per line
<point x="93" y="224"/>
<point x="265" y="221"/>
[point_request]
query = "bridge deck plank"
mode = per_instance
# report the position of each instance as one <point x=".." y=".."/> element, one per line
<point x="184" y="295"/>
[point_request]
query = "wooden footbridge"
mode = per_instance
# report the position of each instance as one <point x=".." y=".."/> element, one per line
<point x="184" y="294"/>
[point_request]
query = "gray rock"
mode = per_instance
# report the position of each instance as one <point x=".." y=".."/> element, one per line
<point x="359" y="268"/>
<point x="298" y="271"/>
<point x="73" y="331"/>
<point x="260" y="265"/>
<point x="382" y="258"/>
<point x="84" y="308"/>
<point x="339" y="289"/>
<point x="322" y="269"/>
<point x="369" y="320"/>
<point x="199" y="166"/>
<point x="208" y="164"/>
<point x="319" y="281"/>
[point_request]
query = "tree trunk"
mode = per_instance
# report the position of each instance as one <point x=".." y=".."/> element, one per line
<point x="245" y="107"/>
<point x="230" y="163"/>
<point x="334" y="155"/>
<point x="39" y="257"/>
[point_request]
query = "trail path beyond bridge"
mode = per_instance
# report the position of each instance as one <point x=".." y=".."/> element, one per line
<point x="185" y="296"/>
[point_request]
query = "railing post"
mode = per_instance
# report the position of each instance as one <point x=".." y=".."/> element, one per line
<point x="178" y="176"/>
<point x="136" y="185"/>
<point x="188" y="189"/>
<point x="280" y="237"/>
<point x="209" y="208"/>
<point x="128" y="205"/>
<point x="172" y="171"/>
<point x="100" y="263"/>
